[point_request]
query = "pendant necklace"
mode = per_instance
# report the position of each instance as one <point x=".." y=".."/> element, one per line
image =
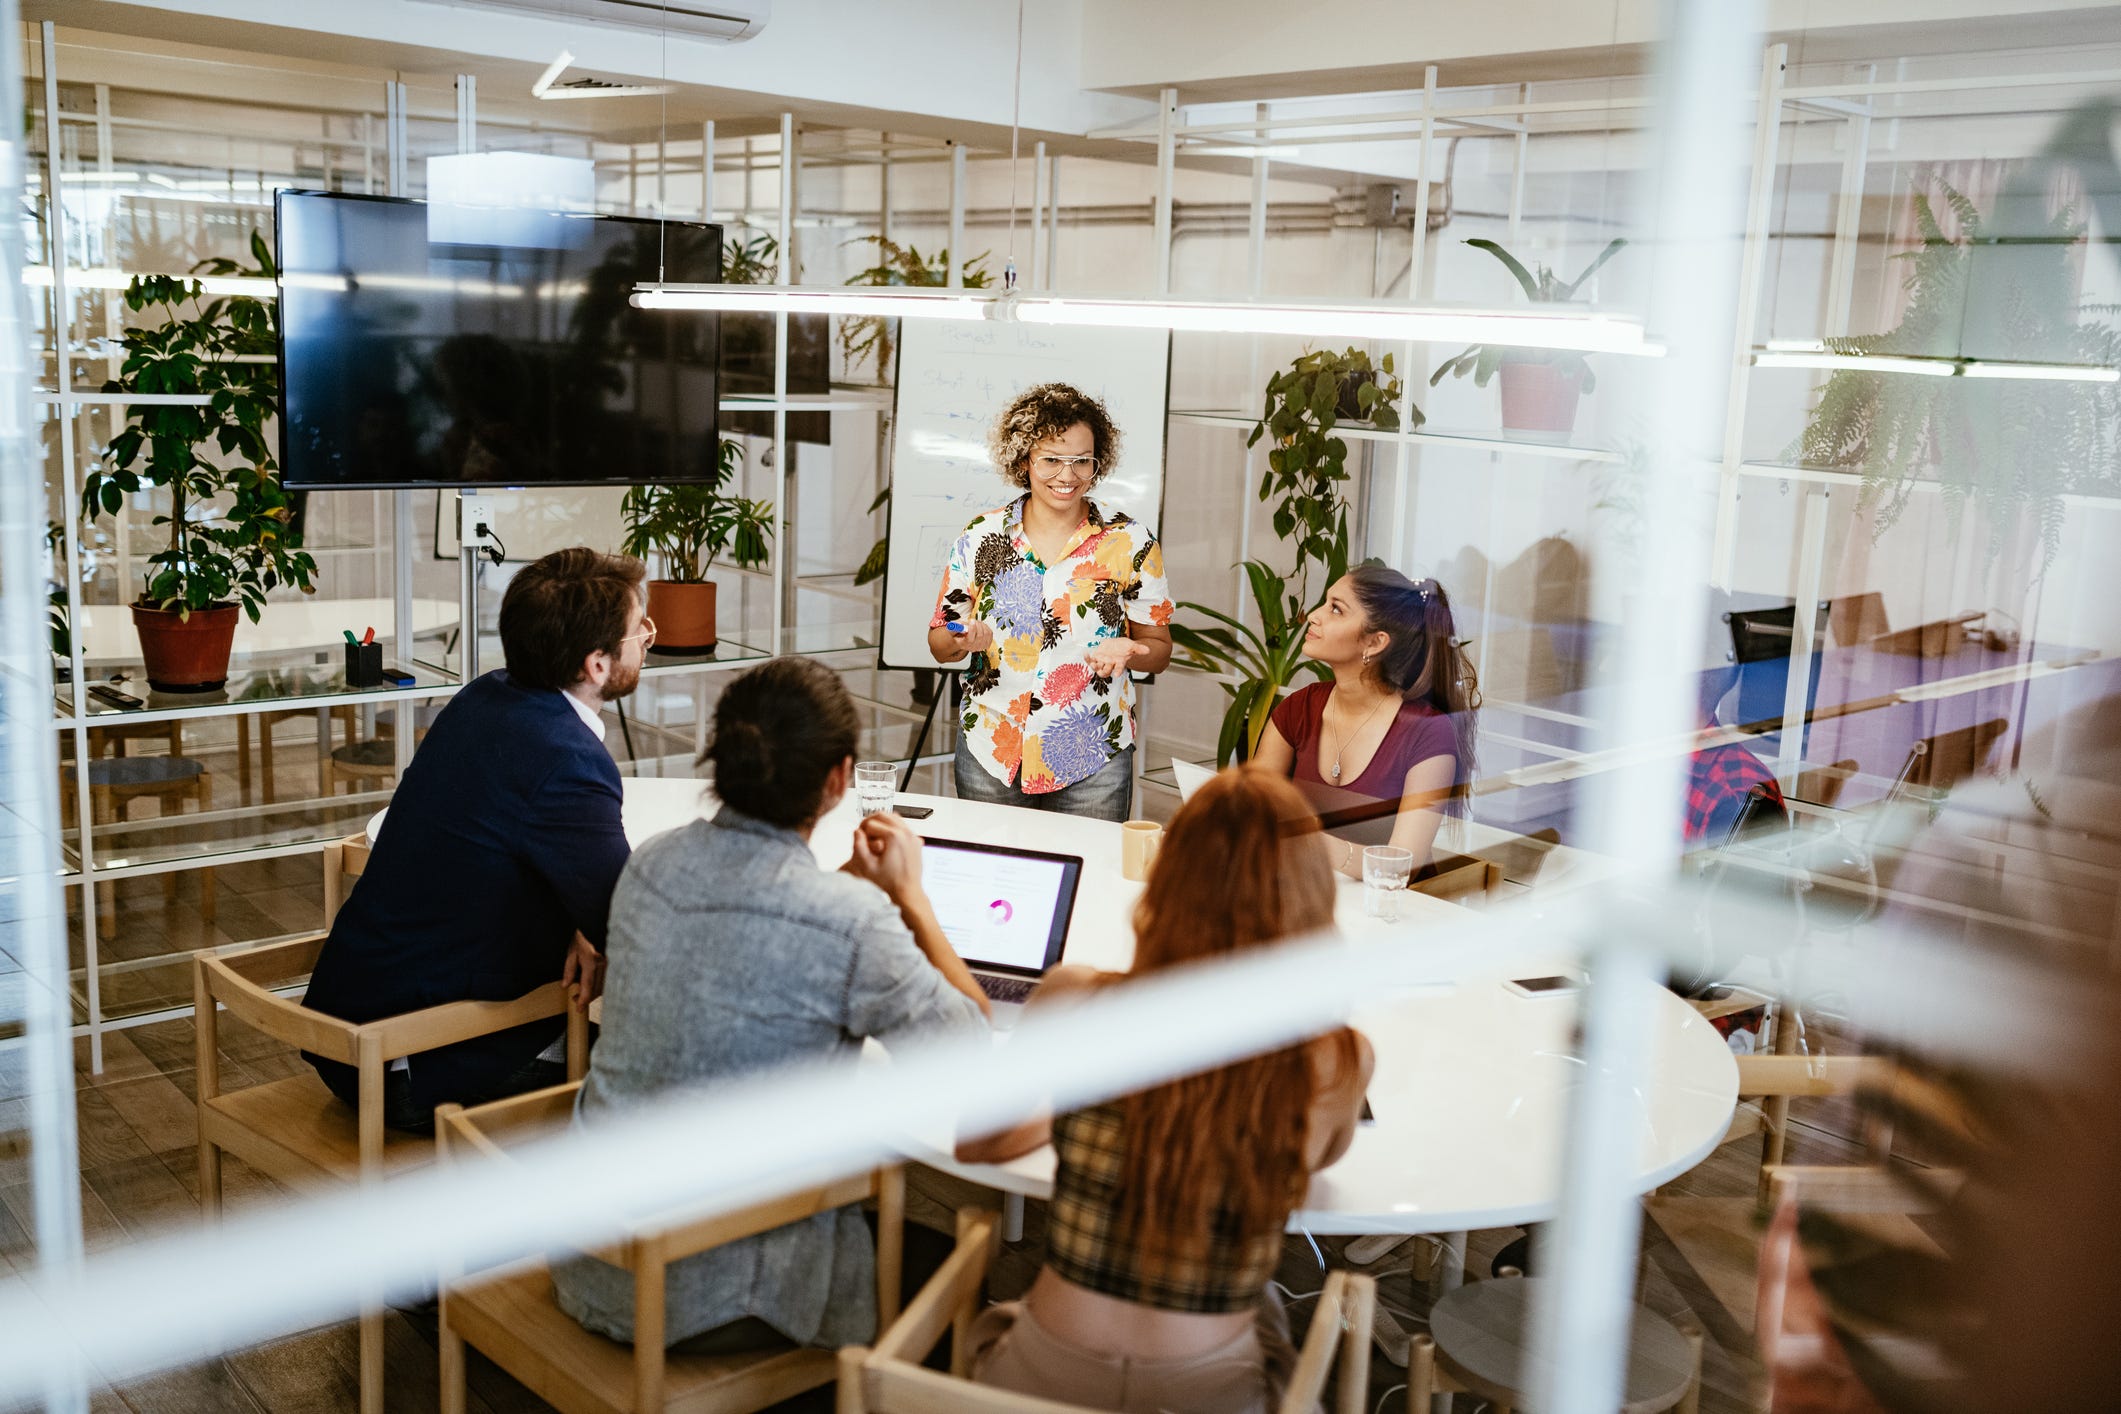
<point x="1335" y="777"/>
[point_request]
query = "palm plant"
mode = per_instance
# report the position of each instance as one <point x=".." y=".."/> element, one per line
<point x="1541" y="286"/>
<point x="692" y="524"/>
<point x="2009" y="442"/>
<point x="1307" y="470"/>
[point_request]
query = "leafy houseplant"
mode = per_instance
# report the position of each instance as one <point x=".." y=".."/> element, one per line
<point x="2011" y="443"/>
<point x="1539" y="386"/>
<point x="870" y="336"/>
<point x="690" y="525"/>
<point x="1306" y="470"/>
<point x="228" y="521"/>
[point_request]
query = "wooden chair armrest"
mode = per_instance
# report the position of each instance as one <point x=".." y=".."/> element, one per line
<point x="1809" y="1075"/>
<point x="1853" y="1189"/>
<point x="286" y="1021"/>
<point x="423" y="1030"/>
<point x="953" y="1289"/>
<point x="677" y="1235"/>
<point x="494" y="1127"/>
<point x="272" y="962"/>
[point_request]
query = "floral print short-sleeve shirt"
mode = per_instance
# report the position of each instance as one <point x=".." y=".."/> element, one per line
<point x="1031" y="703"/>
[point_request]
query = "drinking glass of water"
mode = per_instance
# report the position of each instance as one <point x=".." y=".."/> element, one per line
<point x="1385" y="871"/>
<point x="875" y="783"/>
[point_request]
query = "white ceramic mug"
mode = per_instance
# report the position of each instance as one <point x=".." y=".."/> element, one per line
<point x="1138" y="841"/>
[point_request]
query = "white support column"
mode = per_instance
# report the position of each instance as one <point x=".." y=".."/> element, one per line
<point x="1053" y="213"/>
<point x="1255" y="286"/>
<point x="1521" y="150"/>
<point x="957" y="216"/>
<point x="1797" y="691"/>
<point x="1166" y="173"/>
<point x="1038" y="208"/>
<point x="1848" y="222"/>
<point x="47" y="1000"/>
<point x="394" y="137"/>
<point x="707" y="171"/>
<point x="401" y="557"/>
<point x="784" y="492"/>
<point x="467" y="113"/>
<point x="1418" y="276"/>
<point x="883" y="188"/>
<point x="1767" y="135"/>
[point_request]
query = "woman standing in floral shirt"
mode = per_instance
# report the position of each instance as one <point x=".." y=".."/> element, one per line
<point x="1056" y="599"/>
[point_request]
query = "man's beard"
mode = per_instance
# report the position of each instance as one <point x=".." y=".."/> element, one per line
<point x="621" y="683"/>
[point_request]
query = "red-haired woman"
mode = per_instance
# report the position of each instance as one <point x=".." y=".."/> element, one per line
<point x="1168" y="1206"/>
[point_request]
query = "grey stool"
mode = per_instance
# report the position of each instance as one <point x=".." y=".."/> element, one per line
<point x="114" y="783"/>
<point x="375" y="760"/>
<point x="1480" y="1337"/>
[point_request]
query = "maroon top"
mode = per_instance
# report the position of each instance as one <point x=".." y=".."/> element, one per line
<point x="1419" y="733"/>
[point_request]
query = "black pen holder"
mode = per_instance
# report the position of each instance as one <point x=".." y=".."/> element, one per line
<point x="364" y="665"/>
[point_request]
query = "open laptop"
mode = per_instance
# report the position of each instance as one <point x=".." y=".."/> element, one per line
<point x="1005" y="910"/>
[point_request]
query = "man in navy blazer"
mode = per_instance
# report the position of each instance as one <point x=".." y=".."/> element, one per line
<point x="493" y="873"/>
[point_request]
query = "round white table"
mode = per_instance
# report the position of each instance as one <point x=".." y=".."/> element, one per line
<point x="1472" y="1085"/>
<point x="284" y="626"/>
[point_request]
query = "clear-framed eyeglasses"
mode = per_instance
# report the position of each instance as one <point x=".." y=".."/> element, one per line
<point x="1047" y="466"/>
<point x="645" y="632"/>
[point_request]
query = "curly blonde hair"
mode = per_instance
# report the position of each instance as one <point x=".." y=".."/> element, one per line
<point x="1048" y="410"/>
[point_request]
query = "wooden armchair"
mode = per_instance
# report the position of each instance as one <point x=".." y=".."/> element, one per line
<point x="511" y="1316"/>
<point x="1717" y="1240"/>
<point x="296" y="1130"/>
<point x="888" y="1378"/>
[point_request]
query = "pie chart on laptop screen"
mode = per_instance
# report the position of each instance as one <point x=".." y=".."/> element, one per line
<point x="1001" y="910"/>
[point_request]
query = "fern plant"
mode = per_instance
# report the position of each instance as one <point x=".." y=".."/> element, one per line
<point x="2010" y="443"/>
<point x="870" y="336"/>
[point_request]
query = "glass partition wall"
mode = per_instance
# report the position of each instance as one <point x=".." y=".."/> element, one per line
<point x="1898" y="642"/>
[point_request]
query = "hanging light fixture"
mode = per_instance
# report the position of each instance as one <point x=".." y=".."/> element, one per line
<point x="1581" y="332"/>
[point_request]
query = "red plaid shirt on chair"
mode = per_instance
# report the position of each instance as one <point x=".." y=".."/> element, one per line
<point x="1718" y="782"/>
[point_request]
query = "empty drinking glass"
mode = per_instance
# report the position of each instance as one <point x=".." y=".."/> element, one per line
<point x="875" y="783"/>
<point x="1385" y="871"/>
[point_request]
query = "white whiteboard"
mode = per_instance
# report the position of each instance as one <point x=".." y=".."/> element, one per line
<point x="954" y="379"/>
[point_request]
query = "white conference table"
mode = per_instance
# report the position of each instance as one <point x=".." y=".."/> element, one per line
<point x="1472" y="1085"/>
<point x="284" y="626"/>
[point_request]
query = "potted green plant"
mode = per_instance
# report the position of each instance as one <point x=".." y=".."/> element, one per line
<point x="870" y="337"/>
<point x="1306" y="471"/>
<point x="1540" y="387"/>
<point x="2012" y="444"/>
<point x="228" y="522"/>
<point x="689" y="526"/>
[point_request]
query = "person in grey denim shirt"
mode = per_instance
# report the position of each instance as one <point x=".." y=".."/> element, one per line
<point x="732" y="953"/>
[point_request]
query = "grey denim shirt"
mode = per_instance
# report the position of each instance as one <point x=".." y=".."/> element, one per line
<point x="731" y="953"/>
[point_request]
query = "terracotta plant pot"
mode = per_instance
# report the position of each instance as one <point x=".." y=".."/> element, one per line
<point x="684" y="616"/>
<point x="186" y="654"/>
<point x="1540" y="397"/>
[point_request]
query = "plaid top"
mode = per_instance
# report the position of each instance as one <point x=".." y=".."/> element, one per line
<point x="1718" y="781"/>
<point x="1083" y="1242"/>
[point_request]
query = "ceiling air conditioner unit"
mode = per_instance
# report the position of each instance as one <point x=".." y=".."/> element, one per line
<point x="724" y="21"/>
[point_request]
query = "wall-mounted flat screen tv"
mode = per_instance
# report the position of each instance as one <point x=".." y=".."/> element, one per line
<point x="458" y="346"/>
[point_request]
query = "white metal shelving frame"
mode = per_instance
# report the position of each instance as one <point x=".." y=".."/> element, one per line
<point x="66" y="400"/>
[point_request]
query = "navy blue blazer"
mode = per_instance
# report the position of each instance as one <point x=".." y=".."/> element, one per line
<point x="503" y="841"/>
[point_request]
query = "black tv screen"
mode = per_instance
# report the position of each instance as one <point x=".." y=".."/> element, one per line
<point x="457" y="346"/>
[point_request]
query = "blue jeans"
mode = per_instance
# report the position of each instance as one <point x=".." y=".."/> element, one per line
<point x="1105" y="794"/>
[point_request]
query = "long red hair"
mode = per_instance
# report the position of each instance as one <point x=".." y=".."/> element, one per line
<point x="1242" y="866"/>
